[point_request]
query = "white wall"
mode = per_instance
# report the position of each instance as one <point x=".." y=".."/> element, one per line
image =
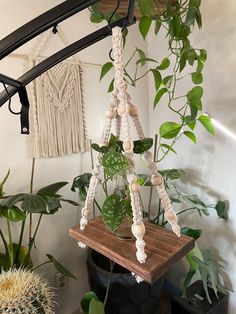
<point x="211" y="163"/>
<point x="16" y="149"/>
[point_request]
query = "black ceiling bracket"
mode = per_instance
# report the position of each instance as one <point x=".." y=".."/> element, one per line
<point x="35" y="27"/>
<point x="24" y="112"/>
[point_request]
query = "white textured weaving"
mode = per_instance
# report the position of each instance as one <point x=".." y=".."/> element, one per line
<point x="57" y="107"/>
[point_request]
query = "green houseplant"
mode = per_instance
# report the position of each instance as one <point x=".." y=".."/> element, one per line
<point x="18" y="209"/>
<point x="183" y="62"/>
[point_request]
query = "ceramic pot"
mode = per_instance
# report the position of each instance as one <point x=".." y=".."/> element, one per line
<point x="126" y="296"/>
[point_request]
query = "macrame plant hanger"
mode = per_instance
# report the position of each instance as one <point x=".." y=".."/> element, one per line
<point x="57" y="105"/>
<point x="120" y="111"/>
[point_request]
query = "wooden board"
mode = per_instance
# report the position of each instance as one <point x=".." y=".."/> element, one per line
<point x="108" y="6"/>
<point x="163" y="248"/>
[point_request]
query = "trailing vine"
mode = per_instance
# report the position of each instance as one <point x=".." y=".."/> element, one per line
<point x="183" y="62"/>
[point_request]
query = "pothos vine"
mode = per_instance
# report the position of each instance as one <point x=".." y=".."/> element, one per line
<point x="183" y="62"/>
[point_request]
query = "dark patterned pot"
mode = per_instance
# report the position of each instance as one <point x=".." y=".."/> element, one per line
<point x="126" y="296"/>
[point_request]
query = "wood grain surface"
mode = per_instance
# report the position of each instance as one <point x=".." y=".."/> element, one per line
<point x="163" y="248"/>
<point x="108" y="6"/>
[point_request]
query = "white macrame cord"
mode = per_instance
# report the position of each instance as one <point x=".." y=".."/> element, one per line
<point x="57" y="106"/>
<point x="120" y="110"/>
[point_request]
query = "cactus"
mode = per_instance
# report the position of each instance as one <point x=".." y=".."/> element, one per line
<point x="23" y="291"/>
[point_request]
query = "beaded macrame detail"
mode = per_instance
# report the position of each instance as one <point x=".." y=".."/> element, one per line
<point x="121" y="110"/>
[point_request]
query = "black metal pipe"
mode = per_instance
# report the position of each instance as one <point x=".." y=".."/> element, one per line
<point x="41" y="23"/>
<point x="62" y="55"/>
<point x="9" y="80"/>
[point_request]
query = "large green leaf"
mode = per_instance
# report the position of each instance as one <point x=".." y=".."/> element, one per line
<point x="60" y="268"/>
<point x="81" y="181"/>
<point x="165" y="63"/>
<point x="144" y="25"/>
<point x="169" y="130"/>
<point x="207" y="123"/>
<point x="13" y="214"/>
<point x="105" y="69"/>
<point x="114" y="163"/>
<point x="193" y="233"/>
<point x="85" y="301"/>
<point x="147" y="7"/>
<point x="168" y="148"/>
<point x="194" y="95"/>
<point x="14" y="199"/>
<point x="158" y="96"/>
<point x="96" y="307"/>
<point x="52" y="188"/>
<point x="33" y="203"/>
<point x="100" y="149"/>
<point x="191" y="136"/>
<point x="143" y="145"/>
<point x="112" y="212"/>
<point x="221" y="210"/>
<point x="172" y="174"/>
<point x="157" y="78"/>
<point x="197" y="77"/>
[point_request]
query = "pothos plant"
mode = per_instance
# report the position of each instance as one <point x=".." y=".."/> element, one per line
<point x="19" y="209"/>
<point x="183" y="64"/>
<point x="116" y="207"/>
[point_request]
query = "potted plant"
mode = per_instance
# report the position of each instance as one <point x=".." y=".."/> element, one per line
<point x="19" y="209"/>
<point x="183" y="62"/>
<point x="123" y="290"/>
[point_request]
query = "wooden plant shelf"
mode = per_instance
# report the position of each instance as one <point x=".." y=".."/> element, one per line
<point x="108" y="6"/>
<point x="163" y="248"/>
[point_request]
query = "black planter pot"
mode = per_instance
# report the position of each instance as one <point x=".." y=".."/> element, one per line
<point x="126" y="296"/>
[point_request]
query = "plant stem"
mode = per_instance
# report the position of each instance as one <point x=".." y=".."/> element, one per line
<point x="31" y="241"/>
<point x="31" y="191"/>
<point x="185" y="210"/>
<point x="20" y="240"/>
<point x="4" y="242"/>
<point x="98" y="206"/>
<point x="109" y="281"/>
<point x="40" y="265"/>
<point x="10" y="250"/>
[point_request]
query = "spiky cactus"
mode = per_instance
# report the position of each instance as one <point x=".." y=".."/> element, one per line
<point x="23" y="291"/>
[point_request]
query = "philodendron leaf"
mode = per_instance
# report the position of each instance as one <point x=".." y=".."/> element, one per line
<point x="100" y="149"/>
<point x="157" y="78"/>
<point x="194" y="96"/>
<point x="221" y="210"/>
<point x="172" y="174"/>
<point x="33" y="203"/>
<point x="193" y="233"/>
<point x="13" y="214"/>
<point x="3" y="182"/>
<point x="114" y="163"/>
<point x="144" y="25"/>
<point x="52" y="188"/>
<point x="143" y="145"/>
<point x="165" y="63"/>
<point x="158" y="96"/>
<point x="191" y="136"/>
<point x="147" y="7"/>
<point x="197" y="77"/>
<point x="169" y="130"/>
<point x="207" y="123"/>
<point x="60" y="268"/>
<point x="96" y="307"/>
<point x="112" y="212"/>
<point x="85" y="302"/>
<point x="105" y="69"/>
<point x="169" y="148"/>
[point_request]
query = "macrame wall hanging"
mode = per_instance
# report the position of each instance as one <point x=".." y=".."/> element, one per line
<point x="121" y="110"/>
<point x="57" y="106"/>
